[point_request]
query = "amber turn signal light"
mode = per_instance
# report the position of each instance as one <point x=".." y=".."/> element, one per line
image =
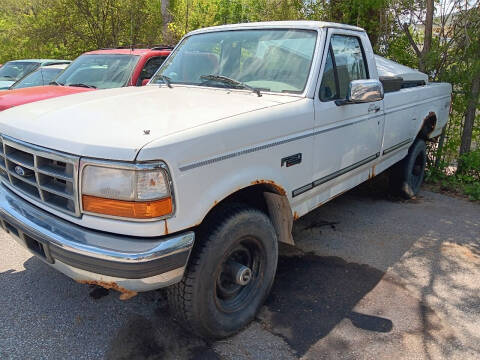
<point x="128" y="209"/>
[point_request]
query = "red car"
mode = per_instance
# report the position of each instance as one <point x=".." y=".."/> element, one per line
<point x="101" y="69"/>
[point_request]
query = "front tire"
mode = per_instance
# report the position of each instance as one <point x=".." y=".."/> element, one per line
<point x="407" y="176"/>
<point x="230" y="273"/>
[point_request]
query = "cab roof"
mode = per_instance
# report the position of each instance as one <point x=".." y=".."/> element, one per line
<point x="297" y="24"/>
<point x="122" y="51"/>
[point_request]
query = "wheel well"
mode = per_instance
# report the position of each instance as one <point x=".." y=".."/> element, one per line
<point x="428" y="126"/>
<point x="251" y="196"/>
<point x="265" y="196"/>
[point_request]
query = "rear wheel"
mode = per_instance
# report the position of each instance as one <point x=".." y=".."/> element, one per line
<point x="229" y="275"/>
<point x="407" y="176"/>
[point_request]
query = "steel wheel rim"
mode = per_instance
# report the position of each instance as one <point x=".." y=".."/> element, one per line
<point x="229" y="296"/>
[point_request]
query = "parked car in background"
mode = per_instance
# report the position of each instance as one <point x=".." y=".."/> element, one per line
<point x="101" y="69"/>
<point x="13" y="71"/>
<point x="44" y="75"/>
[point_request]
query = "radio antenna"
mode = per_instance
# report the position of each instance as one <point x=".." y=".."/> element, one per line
<point x="131" y="29"/>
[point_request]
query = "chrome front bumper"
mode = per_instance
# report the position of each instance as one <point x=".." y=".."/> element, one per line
<point x="125" y="263"/>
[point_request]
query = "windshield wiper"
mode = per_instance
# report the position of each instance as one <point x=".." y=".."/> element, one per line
<point x="55" y="83"/>
<point x="229" y="81"/>
<point x="166" y="80"/>
<point x="83" y="85"/>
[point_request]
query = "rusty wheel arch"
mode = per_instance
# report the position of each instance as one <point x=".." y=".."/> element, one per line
<point x="264" y="195"/>
<point x="428" y="126"/>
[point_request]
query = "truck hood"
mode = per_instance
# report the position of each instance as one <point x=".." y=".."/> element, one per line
<point x="11" y="98"/>
<point x="115" y="124"/>
<point x="6" y="84"/>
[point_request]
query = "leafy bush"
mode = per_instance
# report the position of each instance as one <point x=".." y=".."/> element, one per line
<point x="470" y="167"/>
<point x="466" y="180"/>
<point x="473" y="191"/>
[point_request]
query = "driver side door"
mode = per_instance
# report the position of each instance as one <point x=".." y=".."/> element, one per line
<point x="347" y="137"/>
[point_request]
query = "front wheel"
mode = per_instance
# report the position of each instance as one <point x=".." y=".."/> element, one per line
<point x="230" y="274"/>
<point x="407" y="176"/>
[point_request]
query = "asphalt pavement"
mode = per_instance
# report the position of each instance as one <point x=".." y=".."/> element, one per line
<point x="370" y="278"/>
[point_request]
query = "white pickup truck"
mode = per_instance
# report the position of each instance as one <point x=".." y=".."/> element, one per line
<point x="191" y="181"/>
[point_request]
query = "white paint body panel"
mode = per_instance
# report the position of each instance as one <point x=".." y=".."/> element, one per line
<point x="217" y="141"/>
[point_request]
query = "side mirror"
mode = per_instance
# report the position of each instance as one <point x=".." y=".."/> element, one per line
<point x="363" y="91"/>
<point x="145" y="82"/>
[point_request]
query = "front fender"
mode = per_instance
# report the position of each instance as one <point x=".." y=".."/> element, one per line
<point x="197" y="198"/>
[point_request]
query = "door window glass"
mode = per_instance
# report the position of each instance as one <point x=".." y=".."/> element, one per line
<point x="345" y="63"/>
<point x="349" y="61"/>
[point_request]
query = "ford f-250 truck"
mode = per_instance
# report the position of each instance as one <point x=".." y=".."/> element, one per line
<point x="190" y="182"/>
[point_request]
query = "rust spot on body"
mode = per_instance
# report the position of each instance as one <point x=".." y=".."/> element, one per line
<point x="166" y="227"/>
<point x="272" y="183"/>
<point x="125" y="293"/>
<point x="431" y="116"/>
<point x="295" y="215"/>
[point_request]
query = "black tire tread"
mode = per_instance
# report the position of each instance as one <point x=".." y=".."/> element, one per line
<point x="398" y="176"/>
<point x="179" y="295"/>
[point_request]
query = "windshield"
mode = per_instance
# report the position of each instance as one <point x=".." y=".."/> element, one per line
<point x="14" y="70"/>
<point x="39" y="77"/>
<point x="267" y="60"/>
<point x="105" y="71"/>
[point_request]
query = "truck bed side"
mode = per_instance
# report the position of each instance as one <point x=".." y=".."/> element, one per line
<point x="407" y="109"/>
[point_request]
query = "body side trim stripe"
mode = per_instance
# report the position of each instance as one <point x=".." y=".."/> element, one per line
<point x="334" y="175"/>
<point x="397" y="146"/>
<point x="294" y="138"/>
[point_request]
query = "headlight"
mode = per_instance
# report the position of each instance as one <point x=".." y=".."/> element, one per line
<point x="141" y="192"/>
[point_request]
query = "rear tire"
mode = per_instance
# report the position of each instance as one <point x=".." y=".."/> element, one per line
<point x="210" y="301"/>
<point x="407" y="176"/>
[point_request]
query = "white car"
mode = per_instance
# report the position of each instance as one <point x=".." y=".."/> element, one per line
<point x="13" y="71"/>
<point x="191" y="181"/>
<point x="43" y="76"/>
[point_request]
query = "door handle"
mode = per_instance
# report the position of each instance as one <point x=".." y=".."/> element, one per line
<point x="374" y="108"/>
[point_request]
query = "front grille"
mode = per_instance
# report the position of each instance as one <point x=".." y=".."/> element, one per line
<point x="42" y="174"/>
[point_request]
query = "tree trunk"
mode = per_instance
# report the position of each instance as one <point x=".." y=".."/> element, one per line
<point x="439" y="152"/>
<point x="427" y="41"/>
<point x="166" y="17"/>
<point x="470" y="115"/>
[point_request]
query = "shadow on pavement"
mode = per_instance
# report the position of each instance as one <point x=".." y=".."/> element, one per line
<point x="312" y="294"/>
<point x="152" y="339"/>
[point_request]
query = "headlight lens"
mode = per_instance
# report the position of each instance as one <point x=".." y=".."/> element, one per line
<point x="134" y="193"/>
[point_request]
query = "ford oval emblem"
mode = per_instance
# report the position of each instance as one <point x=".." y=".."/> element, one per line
<point x="19" y="170"/>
